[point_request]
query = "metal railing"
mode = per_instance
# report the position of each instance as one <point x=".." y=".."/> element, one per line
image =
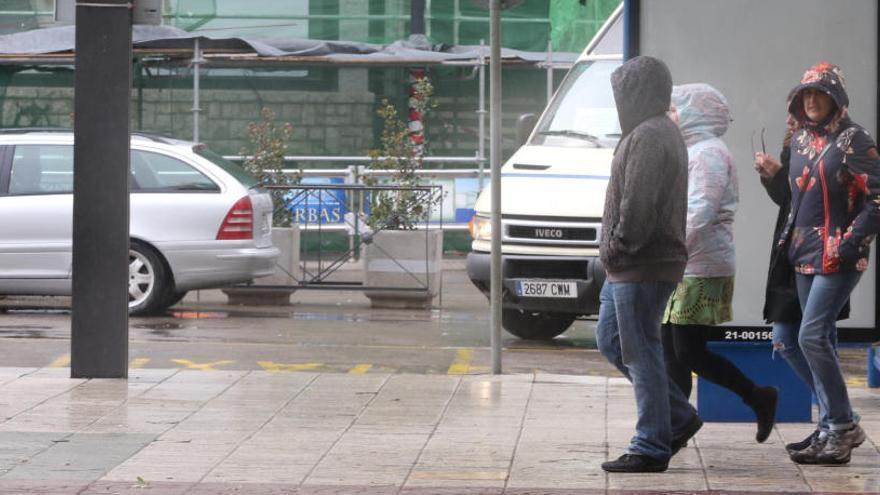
<point x="351" y="201"/>
<point x="352" y="175"/>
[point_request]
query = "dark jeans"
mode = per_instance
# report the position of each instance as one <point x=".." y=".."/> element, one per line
<point x="684" y="347"/>
<point x="628" y="335"/>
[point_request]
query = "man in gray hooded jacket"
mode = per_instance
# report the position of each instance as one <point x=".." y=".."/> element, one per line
<point x="644" y="253"/>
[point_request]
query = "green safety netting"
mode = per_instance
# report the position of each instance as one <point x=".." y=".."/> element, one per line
<point x="574" y="24"/>
<point x="528" y="25"/>
<point x="569" y="24"/>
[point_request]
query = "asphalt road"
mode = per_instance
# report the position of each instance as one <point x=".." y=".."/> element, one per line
<point x="330" y="331"/>
<point x="334" y="331"/>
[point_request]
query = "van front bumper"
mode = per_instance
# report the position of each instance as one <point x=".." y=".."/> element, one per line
<point x="587" y="272"/>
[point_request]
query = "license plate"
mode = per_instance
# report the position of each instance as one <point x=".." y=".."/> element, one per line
<point x="546" y="288"/>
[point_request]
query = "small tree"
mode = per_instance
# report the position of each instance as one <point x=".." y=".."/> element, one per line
<point x="401" y="151"/>
<point x="265" y="161"/>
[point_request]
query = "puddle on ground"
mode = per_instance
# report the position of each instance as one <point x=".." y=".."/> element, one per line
<point x="198" y="315"/>
<point x="166" y="325"/>
<point x="35" y="311"/>
<point x="23" y="332"/>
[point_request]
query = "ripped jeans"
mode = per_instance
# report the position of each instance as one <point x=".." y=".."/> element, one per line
<point x="785" y="342"/>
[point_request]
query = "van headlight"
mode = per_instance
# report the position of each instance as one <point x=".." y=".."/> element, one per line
<point x="480" y="228"/>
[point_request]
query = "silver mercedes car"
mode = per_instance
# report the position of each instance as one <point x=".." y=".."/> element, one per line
<point x="197" y="221"/>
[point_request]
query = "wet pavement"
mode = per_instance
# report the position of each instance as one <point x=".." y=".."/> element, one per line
<point x="328" y="396"/>
<point x="176" y="431"/>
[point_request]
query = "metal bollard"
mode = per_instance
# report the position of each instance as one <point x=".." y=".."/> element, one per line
<point x="873" y="367"/>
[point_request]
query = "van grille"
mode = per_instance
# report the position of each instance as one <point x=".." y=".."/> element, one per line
<point x="548" y="231"/>
<point x="551" y="233"/>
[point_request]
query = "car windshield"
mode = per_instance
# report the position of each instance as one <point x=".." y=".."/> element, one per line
<point x="231" y="168"/>
<point x="583" y="112"/>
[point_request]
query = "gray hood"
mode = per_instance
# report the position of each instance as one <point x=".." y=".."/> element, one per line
<point x="642" y="88"/>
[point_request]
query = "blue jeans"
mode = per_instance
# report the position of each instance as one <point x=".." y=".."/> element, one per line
<point x="822" y="297"/>
<point x="628" y="335"/>
<point x="785" y="342"/>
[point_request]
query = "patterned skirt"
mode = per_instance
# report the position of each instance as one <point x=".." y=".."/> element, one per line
<point x="700" y="301"/>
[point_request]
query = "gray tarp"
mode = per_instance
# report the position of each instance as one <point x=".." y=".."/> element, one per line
<point x="62" y="39"/>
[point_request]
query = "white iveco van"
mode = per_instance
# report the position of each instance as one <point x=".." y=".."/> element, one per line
<point x="553" y="194"/>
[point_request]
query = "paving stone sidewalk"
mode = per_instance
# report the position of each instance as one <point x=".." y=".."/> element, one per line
<point x="253" y="432"/>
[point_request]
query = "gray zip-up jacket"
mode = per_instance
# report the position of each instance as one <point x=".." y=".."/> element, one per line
<point x="643" y="225"/>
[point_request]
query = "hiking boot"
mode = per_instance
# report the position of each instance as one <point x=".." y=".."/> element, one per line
<point x="763" y="401"/>
<point x="635" y="463"/>
<point x="839" y="446"/>
<point x="799" y="446"/>
<point x="679" y="441"/>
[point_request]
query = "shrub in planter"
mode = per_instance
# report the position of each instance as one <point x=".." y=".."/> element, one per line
<point x="265" y="161"/>
<point x="401" y="251"/>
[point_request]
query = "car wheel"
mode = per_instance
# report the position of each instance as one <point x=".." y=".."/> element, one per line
<point x="174" y="298"/>
<point x="534" y="326"/>
<point x="148" y="281"/>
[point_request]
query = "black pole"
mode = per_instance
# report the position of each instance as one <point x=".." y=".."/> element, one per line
<point x="632" y="14"/>
<point x="417" y="17"/>
<point x="101" y="128"/>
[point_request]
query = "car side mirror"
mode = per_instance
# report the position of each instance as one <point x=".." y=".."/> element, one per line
<point x="524" y="126"/>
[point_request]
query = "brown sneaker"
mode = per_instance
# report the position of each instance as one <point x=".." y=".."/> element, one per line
<point x="833" y="447"/>
<point x="808" y="455"/>
<point x="799" y="446"/>
<point x="840" y="444"/>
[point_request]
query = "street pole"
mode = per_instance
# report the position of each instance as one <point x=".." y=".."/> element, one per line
<point x="481" y="145"/>
<point x="101" y="130"/>
<point x="495" y="159"/>
<point x="197" y="69"/>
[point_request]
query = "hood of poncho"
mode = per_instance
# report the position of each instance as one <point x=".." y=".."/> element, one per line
<point x="703" y="112"/>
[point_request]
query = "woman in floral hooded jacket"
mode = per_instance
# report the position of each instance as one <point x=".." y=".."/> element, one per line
<point x="834" y="174"/>
<point x="703" y="298"/>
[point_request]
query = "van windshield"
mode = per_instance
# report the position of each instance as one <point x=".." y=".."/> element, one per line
<point x="583" y="112"/>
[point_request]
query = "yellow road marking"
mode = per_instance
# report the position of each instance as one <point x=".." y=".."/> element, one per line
<point x="200" y="366"/>
<point x="281" y="367"/>
<point x="857" y="381"/>
<point x="138" y="363"/>
<point x="462" y="363"/>
<point x="360" y="369"/>
<point x="62" y="362"/>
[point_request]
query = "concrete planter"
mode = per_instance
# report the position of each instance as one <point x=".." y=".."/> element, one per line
<point x="286" y="239"/>
<point x="397" y="258"/>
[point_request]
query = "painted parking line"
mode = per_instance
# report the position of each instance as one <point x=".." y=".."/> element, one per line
<point x="282" y="367"/>
<point x="62" y="362"/>
<point x="857" y="381"/>
<point x="138" y="363"/>
<point x="360" y="369"/>
<point x="200" y="366"/>
<point x="462" y="363"/>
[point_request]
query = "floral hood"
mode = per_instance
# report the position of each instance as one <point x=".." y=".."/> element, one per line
<point x="828" y="78"/>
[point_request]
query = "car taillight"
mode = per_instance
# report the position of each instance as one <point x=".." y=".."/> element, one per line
<point x="239" y="222"/>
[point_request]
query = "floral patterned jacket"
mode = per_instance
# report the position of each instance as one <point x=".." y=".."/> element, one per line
<point x="839" y="215"/>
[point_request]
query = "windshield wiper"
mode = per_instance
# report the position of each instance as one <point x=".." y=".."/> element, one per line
<point x="574" y="134"/>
